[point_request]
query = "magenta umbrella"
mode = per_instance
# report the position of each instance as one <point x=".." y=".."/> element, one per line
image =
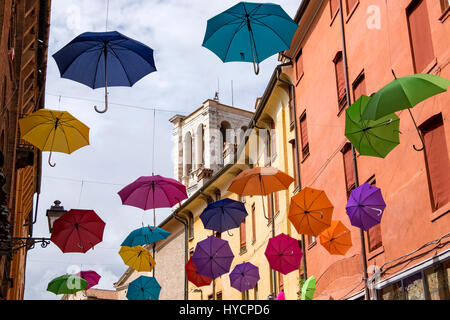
<point x="90" y="276"/>
<point x="283" y="253"/>
<point x="150" y="192"/>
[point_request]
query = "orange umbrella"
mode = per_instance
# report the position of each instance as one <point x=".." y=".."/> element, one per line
<point x="337" y="238"/>
<point x="310" y="211"/>
<point x="260" y="181"/>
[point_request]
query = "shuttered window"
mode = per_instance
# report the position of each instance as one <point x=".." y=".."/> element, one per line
<point x="359" y="87"/>
<point x="350" y="5"/>
<point x="334" y="7"/>
<point x="420" y="35"/>
<point x="437" y="162"/>
<point x="243" y="234"/>
<point x="348" y="168"/>
<point x="304" y="135"/>
<point x="340" y="80"/>
<point x="299" y="65"/>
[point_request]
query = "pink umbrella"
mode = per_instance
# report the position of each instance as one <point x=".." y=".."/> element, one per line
<point x="280" y="296"/>
<point x="90" y="276"/>
<point x="150" y="192"/>
<point x="283" y="253"/>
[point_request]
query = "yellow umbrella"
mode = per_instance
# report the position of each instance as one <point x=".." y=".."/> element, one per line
<point x="137" y="258"/>
<point x="51" y="130"/>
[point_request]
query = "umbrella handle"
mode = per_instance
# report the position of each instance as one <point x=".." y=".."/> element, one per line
<point x="379" y="210"/>
<point x="418" y="132"/>
<point x="256" y="67"/>
<point x="152" y="229"/>
<point x="230" y="234"/>
<point x="106" y="102"/>
<point x="105" y="53"/>
<point x="49" y="157"/>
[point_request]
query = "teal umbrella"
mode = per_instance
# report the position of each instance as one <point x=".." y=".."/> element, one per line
<point x="143" y="288"/>
<point x="308" y="288"/>
<point x="67" y="284"/>
<point x="404" y="93"/>
<point x="145" y="235"/>
<point x="249" y="32"/>
<point x="374" y="138"/>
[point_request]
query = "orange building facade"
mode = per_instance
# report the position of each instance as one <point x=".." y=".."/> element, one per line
<point x="24" y="32"/>
<point x="336" y="58"/>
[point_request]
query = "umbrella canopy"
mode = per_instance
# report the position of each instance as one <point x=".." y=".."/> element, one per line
<point x="283" y="253"/>
<point x="77" y="230"/>
<point x="374" y="138"/>
<point x="310" y="211"/>
<point x="145" y="235"/>
<point x="143" y="288"/>
<point x="212" y="257"/>
<point x="365" y="206"/>
<point x="249" y="32"/>
<point x="244" y="276"/>
<point x="90" y="276"/>
<point x="281" y="296"/>
<point x="102" y="59"/>
<point x="260" y="181"/>
<point x="337" y="238"/>
<point x="51" y="130"/>
<point x="138" y="258"/>
<point x="308" y="288"/>
<point x="67" y="284"/>
<point x="223" y="215"/>
<point x="193" y="275"/>
<point x="403" y="93"/>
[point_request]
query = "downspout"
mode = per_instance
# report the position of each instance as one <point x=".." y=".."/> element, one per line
<point x="355" y="168"/>
<point x="185" y="223"/>
<point x="297" y="149"/>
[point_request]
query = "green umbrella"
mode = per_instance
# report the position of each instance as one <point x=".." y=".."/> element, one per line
<point x="308" y="288"/>
<point x="67" y="284"/>
<point x="371" y="138"/>
<point x="404" y="93"/>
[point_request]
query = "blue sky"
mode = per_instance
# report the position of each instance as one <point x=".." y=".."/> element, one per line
<point x="120" y="147"/>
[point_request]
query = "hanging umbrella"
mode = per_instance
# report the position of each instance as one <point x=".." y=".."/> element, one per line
<point x="223" y="215"/>
<point x="365" y="206"/>
<point x="91" y="277"/>
<point x="138" y="258"/>
<point x="51" y="130"/>
<point x="283" y="253"/>
<point x="194" y="277"/>
<point x="212" y="257"/>
<point x="337" y="238"/>
<point x="308" y="288"/>
<point x="281" y="296"/>
<point x="77" y="230"/>
<point x="310" y="211"/>
<point x="244" y="276"/>
<point x="150" y="192"/>
<point x="67" y="284"/>
<point x="145" y="235"/>
<point x="404" y="93"/>
<point x="143" y="288"/>
<point x="374" y="138"/>
<point x="85" y="57"/>
<point x="249" y="32"/>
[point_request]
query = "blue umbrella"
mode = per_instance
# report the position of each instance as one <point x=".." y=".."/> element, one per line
<point x="84" y="59"/>
<point x="223" y="215"/>
<point x="249" y="32"/>
<point x="145" y="235"/>
<point x="144" y="288"/>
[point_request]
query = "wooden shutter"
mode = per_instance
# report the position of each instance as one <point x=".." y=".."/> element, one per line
<point x="334" y="6"/>
<point x="242" y="232"/>
<point x="436" y="154"/>
<point x="340" y="78"/>
<point x="348" y="167"/>
<point x="374" y="237"/>
<point x="299" y="65"/>
<point x="359" y="87"/>
<point x="253" y="223"/>
<point x="420" y="33"/>
<point x="303" y="131"/>
<point x="350" y="5"/>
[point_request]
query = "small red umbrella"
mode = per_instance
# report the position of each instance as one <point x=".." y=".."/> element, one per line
<point x="77" y="231"/>
<point x="194" y="277"/>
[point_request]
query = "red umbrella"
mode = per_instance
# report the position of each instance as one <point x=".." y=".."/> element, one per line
<point x="77" y="230"/>
<point x="283" y="253"/>
<point x="194" y="277"/>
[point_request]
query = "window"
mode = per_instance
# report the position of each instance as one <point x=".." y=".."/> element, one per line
<point x="334" y="7"/>
<point x="350" y="5"/>
<point x="348" y="168"/>
<point x="391" y="292"/>
<point x="374" y="239"/>
<point x="359" y="86"/>
<point x="242" y="232"/>
<point x="445" y="4"/>
<point x="219" y="295"/>
<point x="191" y="226"/>
<point x="436" y="160"/>
<point x="253" y="223"/>
<point x="217" y="194"/>
<point x="420" y="35"/>
<point x="437" y="281"/>
<point x="210" y="297"/>
<point x="340" y="80"/>
<point x="299" y="65"/>
<point x="304" y="135"/>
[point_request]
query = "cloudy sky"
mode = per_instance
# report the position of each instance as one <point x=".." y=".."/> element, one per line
<point x="120" y="147"/>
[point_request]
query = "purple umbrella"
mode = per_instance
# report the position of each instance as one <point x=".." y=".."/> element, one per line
<point x="244" y="276"/>
<point x="90" y="276"/>
<point x="212" y="257"/>
<point x="365" y="206"/>
<point x="150" y="192"/>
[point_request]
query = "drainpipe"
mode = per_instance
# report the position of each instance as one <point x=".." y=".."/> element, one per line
<point x="185" y="223"/>
<point x="297" y="148"/>
<point x="355" y="168"/>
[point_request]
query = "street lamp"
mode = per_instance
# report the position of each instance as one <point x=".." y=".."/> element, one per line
<point x="54" y="213"/>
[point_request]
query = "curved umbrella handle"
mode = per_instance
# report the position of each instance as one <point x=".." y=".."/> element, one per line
<point x="256" y="67"/>
<point x="152" y="229"/>
<point x="230" y="234"/>
<point x="379" y="210"/>
<point x="105" y="53"/>
<point x="49" y="157"/>
<point x="106" y="102"/>
<point x="418" y="132"/>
